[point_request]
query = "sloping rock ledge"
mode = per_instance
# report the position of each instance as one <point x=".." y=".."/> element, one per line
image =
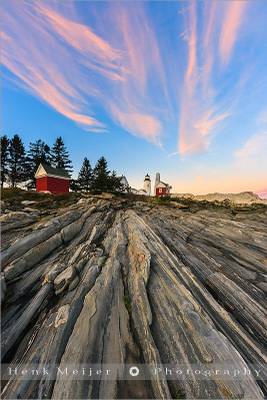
<point x="108" y="281"/>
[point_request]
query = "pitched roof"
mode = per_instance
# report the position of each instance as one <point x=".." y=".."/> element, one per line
<point x="123" y="178"/>
<point x="161" y="184"/>
<point x="60" y="172"/>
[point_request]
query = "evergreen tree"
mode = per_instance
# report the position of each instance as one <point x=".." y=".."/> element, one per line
<point x="17" y="161"/>
<point x="74" y="186"/>
<point x="4" y="159"/>
<point x="115" y="184"/>
<point x="60" y="156"/>
<point x="104" y="180"/>
<point x="39" y="152"/>
<point x="85" y="176"/>
<point x="101" y="175"/>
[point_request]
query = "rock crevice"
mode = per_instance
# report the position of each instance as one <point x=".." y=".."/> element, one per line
<point x="113" y="282"/>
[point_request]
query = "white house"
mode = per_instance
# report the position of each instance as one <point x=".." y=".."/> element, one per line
<point x="125" y="184"/>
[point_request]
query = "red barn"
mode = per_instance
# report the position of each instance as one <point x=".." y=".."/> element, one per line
<point x="52" y="180"/>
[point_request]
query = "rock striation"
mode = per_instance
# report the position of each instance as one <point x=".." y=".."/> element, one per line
<point x="114" y="281"/>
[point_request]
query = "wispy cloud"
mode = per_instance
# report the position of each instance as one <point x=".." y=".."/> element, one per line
<point x="112" y="67"/>
<point x="35" y="55"/>
<point x="142" y="125"/>
<point x="232" y="20"/>
<point x="76" y="71"/>
<point x="255" y="148"/>
<point x="97" y="53"/>
<point x="203" y="108"/>
<point x="132" y="103"/>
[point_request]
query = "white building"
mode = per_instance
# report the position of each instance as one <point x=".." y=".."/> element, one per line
<point x="125" y="184"/>
<point x="146" y="191"/>
<point x="147" y="185"/>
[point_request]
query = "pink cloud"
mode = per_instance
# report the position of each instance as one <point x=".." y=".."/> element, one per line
<point x="201" y="114"/>
<point x="143" y="125"/>
<point x="63" y="62"/>
<point x="208" y="122"/>
<point x="39" y="68"/>
<point x="82" y="38"/>
<point x="192" y="45"/>
<point x="234" y="14"/>
<point x="130" y="104"/>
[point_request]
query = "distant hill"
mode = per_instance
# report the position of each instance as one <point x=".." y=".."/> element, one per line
<point x="238" y="198"/>
<point x="262" y="194"/>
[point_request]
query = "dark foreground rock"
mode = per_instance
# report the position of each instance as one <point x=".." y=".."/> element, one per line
<point x="106" y="281"/>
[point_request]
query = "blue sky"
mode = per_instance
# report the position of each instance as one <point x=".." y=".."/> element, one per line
<point x="175" y="87"/>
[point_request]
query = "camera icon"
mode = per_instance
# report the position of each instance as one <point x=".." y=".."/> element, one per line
<point x="134" y="371"/>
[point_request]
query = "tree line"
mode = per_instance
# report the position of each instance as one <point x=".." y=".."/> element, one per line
<point x="19" y="165"/>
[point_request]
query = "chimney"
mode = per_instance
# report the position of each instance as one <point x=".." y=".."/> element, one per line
<point x="157" y="180"/>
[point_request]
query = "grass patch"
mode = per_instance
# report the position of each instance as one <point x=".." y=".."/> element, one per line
<point x="44" y="201"/>
<point x="161" y="200"/>
<point x="7" y="194"/>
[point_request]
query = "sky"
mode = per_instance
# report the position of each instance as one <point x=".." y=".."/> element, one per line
<point x="176" y="87"/>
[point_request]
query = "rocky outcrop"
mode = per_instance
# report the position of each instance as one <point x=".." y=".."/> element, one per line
<point x="113" y="282"/>
<point x="16" y="219"/>
<point x="236" y="198"/>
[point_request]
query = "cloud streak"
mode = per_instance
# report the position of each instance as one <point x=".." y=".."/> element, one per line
<point x="202" y="108"/>
<point x="97" y="53"/>
<point x="75" y="70"/>
<point x="35" y="56"/>
<point x="233" y="16"/>
<point x="112" y="68"/>
<point x="132" y="103"/>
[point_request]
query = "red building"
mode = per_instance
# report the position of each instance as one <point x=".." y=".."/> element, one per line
<point x="52" y="180"/>
<point x="162" y="189"/>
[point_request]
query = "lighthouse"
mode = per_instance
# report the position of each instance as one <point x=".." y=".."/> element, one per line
<point x="147" y="185"/>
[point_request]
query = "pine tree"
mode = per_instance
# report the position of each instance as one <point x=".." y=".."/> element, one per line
<point x="104" y="180"/>
<point x="101" y="176"/>
<point x="60" y="156"/>
<point x="85" y="176"/>
<point x="115" y="184"/>
<point x="17" y="160"/>
<point x="74" y="186"/>
<point x="39" y="152"/>
<point x="4" y="159"/>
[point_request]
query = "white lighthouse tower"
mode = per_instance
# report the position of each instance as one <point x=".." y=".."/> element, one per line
<point x="147" y="185"/>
